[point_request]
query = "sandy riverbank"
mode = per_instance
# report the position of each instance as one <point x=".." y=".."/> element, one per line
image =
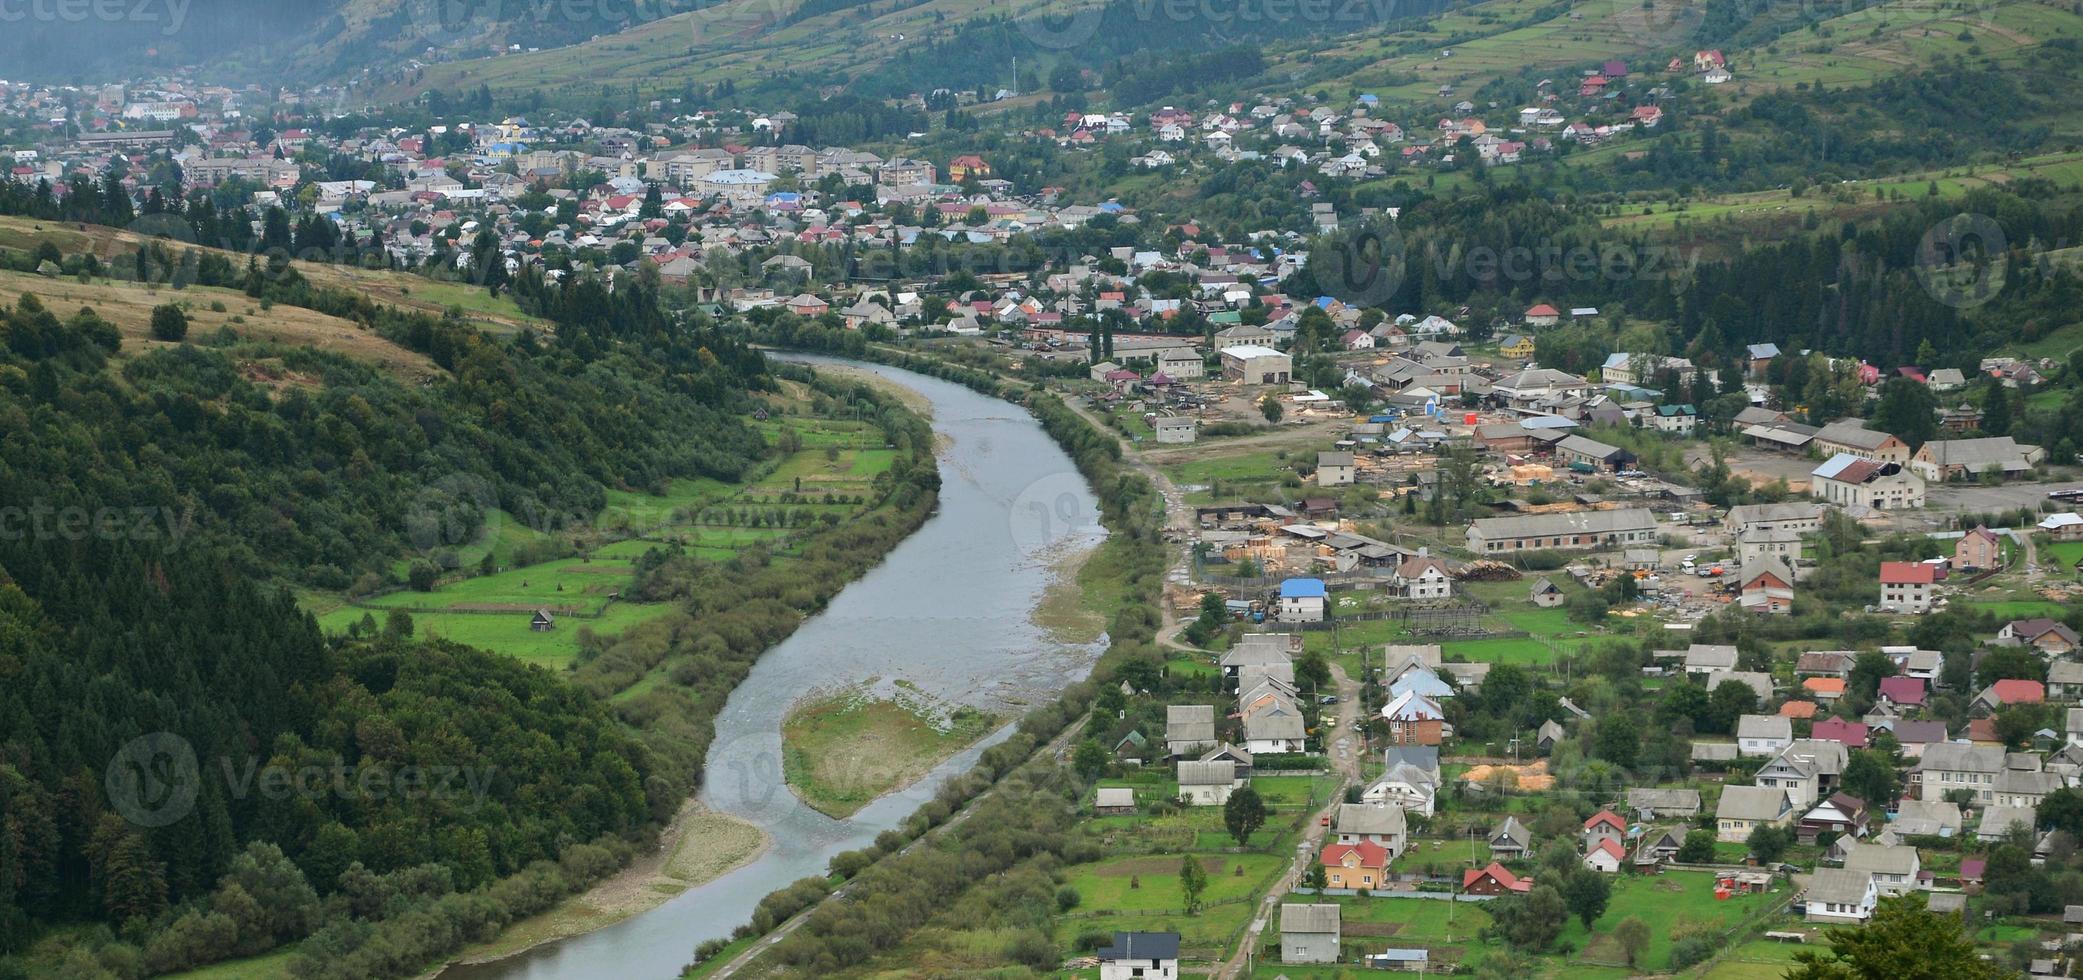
<point x="698" y="846"/>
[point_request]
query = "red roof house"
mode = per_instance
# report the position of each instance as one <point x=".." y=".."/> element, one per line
<point x="2012" y="690"/>
<point x="1493" y="880"/>
<point x="1904" y="691"/>
<point x="1851" y="733"/>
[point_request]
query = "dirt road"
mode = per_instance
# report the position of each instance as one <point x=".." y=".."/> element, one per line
<point x="1344" y="748"/>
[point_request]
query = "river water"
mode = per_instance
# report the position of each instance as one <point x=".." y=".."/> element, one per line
<point x="949" y="611"/>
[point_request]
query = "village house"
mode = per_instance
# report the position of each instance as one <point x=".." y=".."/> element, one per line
<point x="1763" y="735"/>
<point x="1173" y="429"/>
<point x="1606" y="856"/>
<point x="1767" y="588"/>
<point x="1309" y="933"/>
<point x="1840" y="895"/>
<point x="1275" y="729"/>
<point x="1999" y="821"/>
<point x="1495" y="879"/>
<point x="1207" y="783"/>
<point x="1594" y="454"/>
<point x="1181" y="363"/>
<point x="1189" y="728"/>
<point x="1976" y="550"/>
<point x="1952" y="765"/>
<point x="1841" y="814"/>
<point x="1379" y="823"/>
<point x="1334" y="469"/>
<point x="2048" y="636"/>
<point x="1605" y="825"/>
<point x="2065" y="526"/>
<point x="1806" y="770"/>
<point x="1746" y="808"/>
<point x="1364" y="864"/>
<point x="1114" y="801"/>
<point x="1796" y="516"/>
<point x="1302" y="600"/>
<point x="1422" y="577"/>
<point x="1410" y="779"/>
<point x="1414" y="719"/>
<point x="1909" y="586"/>
<point x="1511" y="840"/>
<point x="1140" y="956"/>
<point x="1653" y="803"/>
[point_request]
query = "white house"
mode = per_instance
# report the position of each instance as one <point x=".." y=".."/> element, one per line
<point x="1379" y="823"/>
<point x="1302" y="600"/>
<point x="1174" y="429"/>
<point x="1207" y="783"/>
<point x="1841" y="895"/>
<point x="1140" y="956"/>
<point x="1763" y="734"/>
<point x="1423" y="577"/>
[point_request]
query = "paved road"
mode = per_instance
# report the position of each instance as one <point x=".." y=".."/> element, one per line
<point x="1963" y="497"/>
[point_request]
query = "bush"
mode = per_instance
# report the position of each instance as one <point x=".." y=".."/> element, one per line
<point x="169" y="323"/>
<point x="1690" y="950"/>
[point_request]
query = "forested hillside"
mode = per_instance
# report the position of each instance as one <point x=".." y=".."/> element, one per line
<point x="189" y="770"/>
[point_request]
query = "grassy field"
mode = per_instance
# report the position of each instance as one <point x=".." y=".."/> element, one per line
<point x="1142" y="893"/>
<point x="1762" y="959"/>
<point x="842" y="751"/>
<point x="269" y="966"/>
<point x="396" y="288"/>
<point x="128" y="305"/>
<point x="1672" y="904"/>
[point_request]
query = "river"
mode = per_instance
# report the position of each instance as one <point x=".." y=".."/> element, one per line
<point x="949" y="610"/>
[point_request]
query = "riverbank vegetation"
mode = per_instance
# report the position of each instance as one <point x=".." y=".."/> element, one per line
<point x="985" y="889"/>
<point x="841" y="751"/>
